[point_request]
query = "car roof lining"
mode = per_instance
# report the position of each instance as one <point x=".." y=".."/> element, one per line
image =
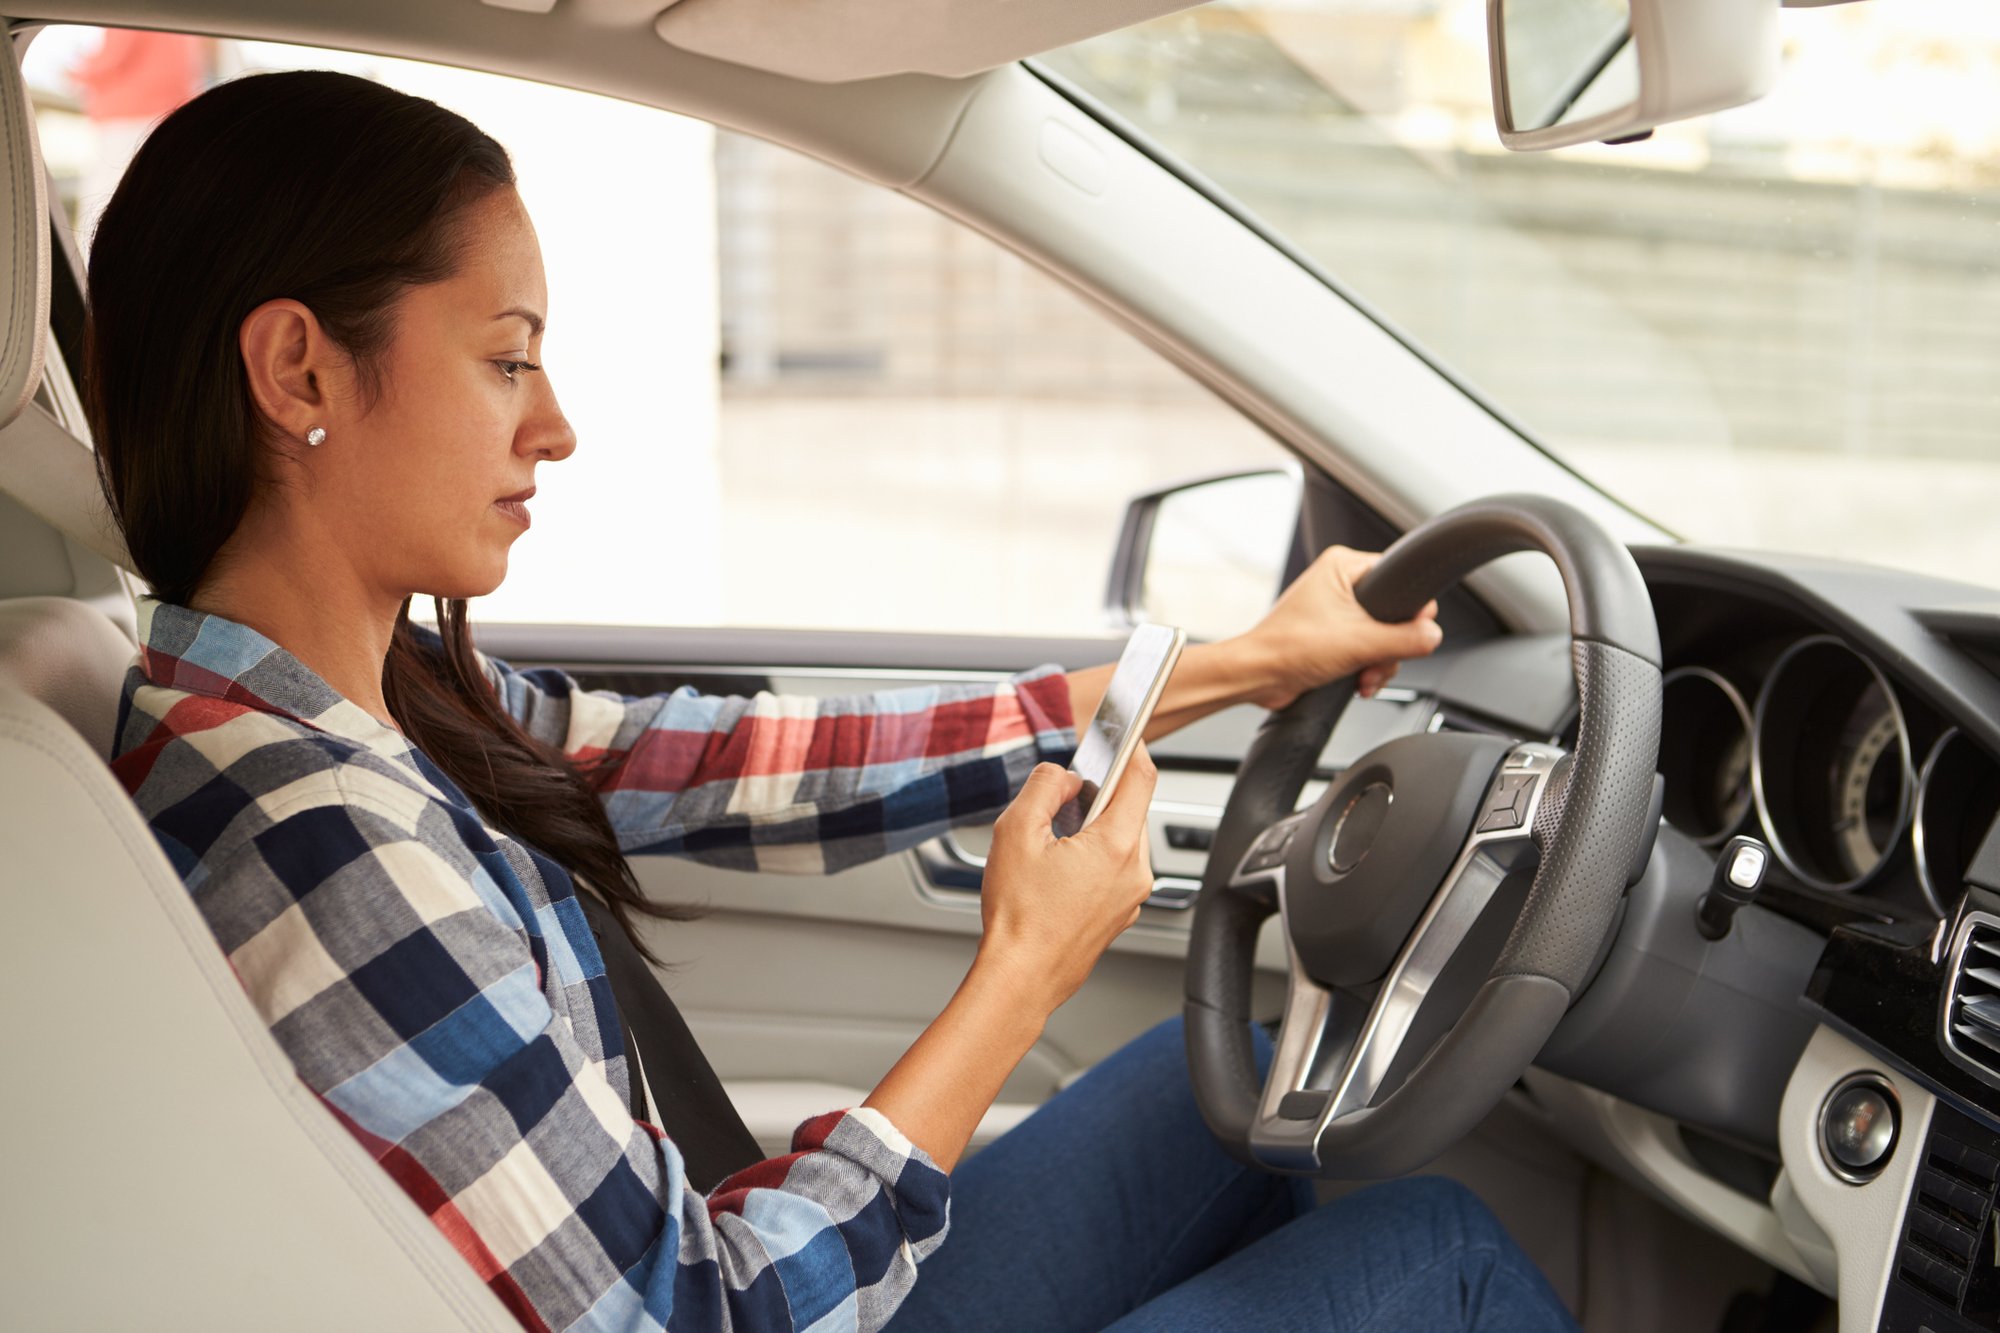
<point x="889" y="129"/>
<point x="870" y="85"/>
<point x="841" y="40"/>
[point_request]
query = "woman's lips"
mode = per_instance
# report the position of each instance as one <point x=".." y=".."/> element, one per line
<point x="515" y="506"/>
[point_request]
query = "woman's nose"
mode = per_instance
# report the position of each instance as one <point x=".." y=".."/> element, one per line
<point x="547" y="433"/>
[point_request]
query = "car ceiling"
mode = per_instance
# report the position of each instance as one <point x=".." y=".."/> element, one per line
<point x="867" y="85"/>
<point x="841" y="40"/>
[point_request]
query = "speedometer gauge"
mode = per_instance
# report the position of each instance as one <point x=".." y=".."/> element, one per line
<point x="1830" y="764"/>
<point x="1866" y="786"/>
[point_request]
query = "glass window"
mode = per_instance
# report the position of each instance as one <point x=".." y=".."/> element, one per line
<point x="1775" y="326"/>
<point x="801" y="400"/>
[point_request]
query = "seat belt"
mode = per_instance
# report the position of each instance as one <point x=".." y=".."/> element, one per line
<point x="695" y="1111"/>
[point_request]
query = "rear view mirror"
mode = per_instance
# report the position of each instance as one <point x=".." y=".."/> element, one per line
<point x="1208" y="556"/>
<point x="1573" y="71"/>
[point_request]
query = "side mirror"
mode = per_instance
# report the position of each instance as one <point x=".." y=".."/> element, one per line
<point x="1207" y="555"/>
<point x="1573" y="71"/>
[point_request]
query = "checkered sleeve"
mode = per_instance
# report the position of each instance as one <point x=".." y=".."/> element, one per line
<point x="426" y="996"/>
<point x="797" y="783"/>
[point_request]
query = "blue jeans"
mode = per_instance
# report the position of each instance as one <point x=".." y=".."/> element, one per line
<point x="1113" y="1207"/>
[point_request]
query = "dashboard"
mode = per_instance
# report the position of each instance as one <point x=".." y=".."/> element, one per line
<point x="1826" y="740"/>
<point x="1848" y="718"/>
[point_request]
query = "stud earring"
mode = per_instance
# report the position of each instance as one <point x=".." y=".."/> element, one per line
<point x="316" y="436"/>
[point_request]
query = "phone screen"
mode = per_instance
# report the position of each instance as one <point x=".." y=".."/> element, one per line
<point x="1128" y="703"/>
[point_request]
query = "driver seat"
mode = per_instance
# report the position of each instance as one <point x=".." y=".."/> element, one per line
<point x="163" y="1163"/>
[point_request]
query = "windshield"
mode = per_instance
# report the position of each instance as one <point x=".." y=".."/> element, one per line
<point x="1778" y="326"/>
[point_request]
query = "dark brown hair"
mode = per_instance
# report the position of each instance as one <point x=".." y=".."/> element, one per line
<point x="341" y="194"/>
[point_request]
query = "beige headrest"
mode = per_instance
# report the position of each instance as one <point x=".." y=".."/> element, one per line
<point x="24" y="244"/>
<point x="70" y="657"/>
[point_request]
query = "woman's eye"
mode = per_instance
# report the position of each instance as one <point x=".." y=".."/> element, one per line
<point x="512" y="368"/>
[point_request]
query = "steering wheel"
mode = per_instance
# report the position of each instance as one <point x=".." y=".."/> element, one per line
<point x="1427" y="968"/>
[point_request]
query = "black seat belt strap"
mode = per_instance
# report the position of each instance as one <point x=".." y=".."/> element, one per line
<point x="695" y="1110"/>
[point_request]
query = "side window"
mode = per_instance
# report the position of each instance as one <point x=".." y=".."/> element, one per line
<point x="945" y="433"/>
<point x="801" y="400"/>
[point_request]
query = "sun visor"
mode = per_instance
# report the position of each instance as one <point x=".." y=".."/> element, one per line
<point x="24" y="231"/>
<point x="838" y="41"/>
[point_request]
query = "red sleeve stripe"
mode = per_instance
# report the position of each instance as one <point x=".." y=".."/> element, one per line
<point x="667" y="760"/>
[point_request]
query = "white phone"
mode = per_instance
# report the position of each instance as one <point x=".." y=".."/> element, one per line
<point x="1120" y="724"/>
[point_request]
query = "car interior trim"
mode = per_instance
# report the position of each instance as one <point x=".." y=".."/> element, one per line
<point x="1920" y="839"/>
<point x="1860" y="1222"/>
<point x="24" y="225"/>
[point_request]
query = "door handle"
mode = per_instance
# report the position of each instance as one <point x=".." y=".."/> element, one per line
<point x="947" y="865"/>
<point x="1176" y="893"/>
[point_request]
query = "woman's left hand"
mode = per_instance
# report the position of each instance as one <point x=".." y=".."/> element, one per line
<point x="1317" y="632"/>
<point x="1314" y="633"/>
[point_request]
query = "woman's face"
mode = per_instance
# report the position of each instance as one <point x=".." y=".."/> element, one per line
<point x="431" y="475"/>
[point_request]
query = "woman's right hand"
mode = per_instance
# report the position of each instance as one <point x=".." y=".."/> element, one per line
<point x="1051" y="906"/>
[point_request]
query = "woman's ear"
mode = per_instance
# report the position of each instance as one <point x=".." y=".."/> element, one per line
<point x="285" y="353"/>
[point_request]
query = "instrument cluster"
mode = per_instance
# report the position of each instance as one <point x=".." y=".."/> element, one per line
<point x="1806" y="743"/>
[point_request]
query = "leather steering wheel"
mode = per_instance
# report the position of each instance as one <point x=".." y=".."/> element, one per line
<point x="1427" y="968"/>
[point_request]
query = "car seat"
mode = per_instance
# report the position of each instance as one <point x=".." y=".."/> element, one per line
<point x="161" y="1165"/>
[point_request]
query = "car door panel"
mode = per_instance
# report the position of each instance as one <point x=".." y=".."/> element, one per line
<point x="803" y="990"/>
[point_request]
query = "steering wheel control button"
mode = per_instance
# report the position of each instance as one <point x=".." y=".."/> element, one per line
<point x="1268" y="852"/>
<point x="1857" y="1127"/>
<point x="1275" y="837"/>
<point x="1359" y="823"/>
<point x="1507" y="807"/>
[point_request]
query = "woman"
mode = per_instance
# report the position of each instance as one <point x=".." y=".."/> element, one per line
<point x="316" y="306"/>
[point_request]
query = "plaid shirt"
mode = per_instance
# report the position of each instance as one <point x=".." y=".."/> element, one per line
<point x="436" y="984"/>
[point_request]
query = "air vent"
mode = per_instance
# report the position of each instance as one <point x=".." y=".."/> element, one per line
<point x="1938" y="1253"/>
<point x="1948" y="1210"/>
<point x="1972" y="997"/>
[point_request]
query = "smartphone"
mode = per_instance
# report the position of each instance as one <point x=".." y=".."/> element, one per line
<point x="1108" y="742"/>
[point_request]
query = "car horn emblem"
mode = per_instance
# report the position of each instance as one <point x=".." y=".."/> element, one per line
<point x="1354" y="833"/>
